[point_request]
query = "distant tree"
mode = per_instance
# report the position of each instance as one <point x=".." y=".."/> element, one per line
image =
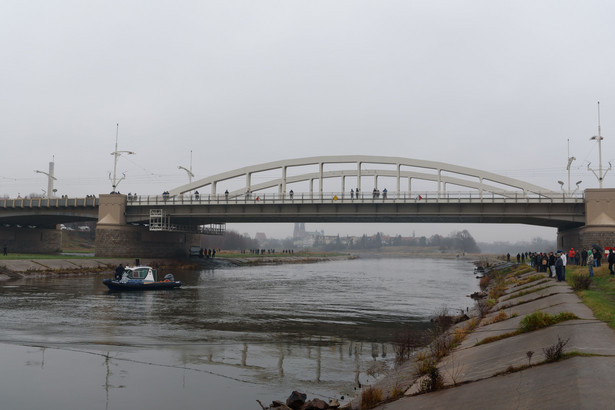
<point x="231" y="240"/>
<point x="464" y="241"/>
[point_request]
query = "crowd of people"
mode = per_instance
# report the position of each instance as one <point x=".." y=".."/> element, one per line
<point x="265" y="251"/>
<point x="554" y="263"/>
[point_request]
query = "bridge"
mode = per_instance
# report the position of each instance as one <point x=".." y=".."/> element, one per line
<point x="324" y="189"/>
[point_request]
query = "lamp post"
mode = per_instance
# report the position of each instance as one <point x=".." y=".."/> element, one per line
<point x="599" y="138"/>
<point x="114" y="181"/>
<point x="50" y="179"/>
<point x="570" y="159"/>
<point x="188" y="171"/>
<point x="577" y="188"/>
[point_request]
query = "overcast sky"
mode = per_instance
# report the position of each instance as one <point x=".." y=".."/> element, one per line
<point x="495" y="85"/>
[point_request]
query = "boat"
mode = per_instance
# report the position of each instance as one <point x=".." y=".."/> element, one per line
<point x="141" y="278"/>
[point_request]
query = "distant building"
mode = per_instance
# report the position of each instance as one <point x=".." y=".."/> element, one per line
<point x="260" y="236"/>
<point x="299" y="231"/>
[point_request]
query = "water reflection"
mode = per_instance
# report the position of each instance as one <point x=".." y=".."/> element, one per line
<point x="228" y="336"/>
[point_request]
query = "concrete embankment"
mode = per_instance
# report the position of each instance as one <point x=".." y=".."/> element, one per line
<point x="20" y="268"/>
<point x="502" y="374"/>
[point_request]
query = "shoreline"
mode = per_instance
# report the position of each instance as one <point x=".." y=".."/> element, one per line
<point x="480" y="369"/>
<point x="11" y="269"/>
<point x="14" y="269"/>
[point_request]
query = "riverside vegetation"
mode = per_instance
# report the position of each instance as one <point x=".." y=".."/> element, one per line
<point x="598" y="293"/>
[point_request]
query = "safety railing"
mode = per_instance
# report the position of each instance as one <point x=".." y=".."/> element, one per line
<point x="89" y="201"/>
<point x="362" y="197"/>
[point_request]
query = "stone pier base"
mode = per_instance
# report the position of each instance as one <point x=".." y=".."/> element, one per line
<point x="114" y="238"/>
<point x="139" y="242"/>
<point x="599" y="227"/>
<point x="30" y="240"/>
<point x="585" y="237"/>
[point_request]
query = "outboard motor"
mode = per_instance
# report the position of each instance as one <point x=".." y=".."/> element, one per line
<point x="169" y="277"/>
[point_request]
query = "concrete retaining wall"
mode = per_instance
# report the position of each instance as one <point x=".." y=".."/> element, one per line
<point x="30" y="240"/>
<point x="139" y="242"/>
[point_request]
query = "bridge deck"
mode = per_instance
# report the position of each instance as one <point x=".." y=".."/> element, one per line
<point x="539" y="210"/>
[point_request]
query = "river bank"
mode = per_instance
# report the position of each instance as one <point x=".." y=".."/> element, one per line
<point x="30" y="267"/>
<point x="497" y="362"/>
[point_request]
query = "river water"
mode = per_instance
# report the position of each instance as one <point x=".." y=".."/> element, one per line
<point x="229" y="336"/>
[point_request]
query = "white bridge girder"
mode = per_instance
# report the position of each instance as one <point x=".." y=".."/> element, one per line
<point x="481" y="183"/>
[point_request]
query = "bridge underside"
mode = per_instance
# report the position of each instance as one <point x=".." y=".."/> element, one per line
<point x="563" y="216"/>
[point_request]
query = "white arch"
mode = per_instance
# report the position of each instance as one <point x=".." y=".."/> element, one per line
<point x="481" y="184"/>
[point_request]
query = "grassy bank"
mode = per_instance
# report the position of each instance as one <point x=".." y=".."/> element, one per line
<point x="600" y="297"/>
<point x="35" y="256"/>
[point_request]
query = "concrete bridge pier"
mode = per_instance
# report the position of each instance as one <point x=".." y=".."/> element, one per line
<point x="599" y="227"/>
<point x="114" y="238"/>
<point x="30" y="240"/>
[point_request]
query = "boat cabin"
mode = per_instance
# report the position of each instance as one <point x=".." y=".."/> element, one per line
<point x="144" y="273"/>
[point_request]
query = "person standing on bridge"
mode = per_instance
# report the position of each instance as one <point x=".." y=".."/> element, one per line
<point x="352" y="194"/>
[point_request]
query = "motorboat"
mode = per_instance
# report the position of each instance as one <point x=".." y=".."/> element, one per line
<point x="142" y="278"/>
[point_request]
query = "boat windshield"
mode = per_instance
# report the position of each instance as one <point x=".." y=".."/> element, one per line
<point x="140" y="273"/>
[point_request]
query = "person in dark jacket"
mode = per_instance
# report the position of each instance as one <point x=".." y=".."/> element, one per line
<point x="597" y="256"/>
<point x="551" y="264"/>
<point x="611" y="260"/>
<point x="118" y="272"/>
<point x="584" y="257"/>
<point x="559" y="267"/>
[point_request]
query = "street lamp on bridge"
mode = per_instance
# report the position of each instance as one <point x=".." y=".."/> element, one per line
<point x="115" y="182"/>
<point x="600" y="176"/>
<point x="188" y="171"/>
<point x="50" y="179"/>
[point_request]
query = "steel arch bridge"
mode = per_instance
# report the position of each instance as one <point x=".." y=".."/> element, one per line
<point x="405" y="171"/>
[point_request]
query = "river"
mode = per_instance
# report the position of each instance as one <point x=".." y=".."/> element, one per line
<point x="229" y="336"/>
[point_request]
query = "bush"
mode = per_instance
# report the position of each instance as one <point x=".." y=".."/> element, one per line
<point x="484" y="282"/>
<point x="497" y="318"/>
<point x="483" y="306"/>
<point x="441" y="345"/>
<point x="554" y="352"/>
<point x="581" y="282"/>
<point x="497" y="291"/>
<point x="422" y="364"/>
<point x="405" y="344"/>
<point x="433" y="381"/>
<point x="539" y="319"/>
<point x="370" y="397"/>
<point x="460" y="332"/>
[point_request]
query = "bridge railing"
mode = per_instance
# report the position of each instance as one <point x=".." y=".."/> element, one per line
<point x="90" y="201"/>
<point x="363" y="197"/>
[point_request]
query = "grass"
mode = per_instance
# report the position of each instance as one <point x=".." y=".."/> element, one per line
<point x="539" y="319"/>
<point x="600" y="297"/>
<point x="533" y="321"/>
<point x="526" y="292"/>
<point x="29" y="256"/>
<point x="370" y="397"/>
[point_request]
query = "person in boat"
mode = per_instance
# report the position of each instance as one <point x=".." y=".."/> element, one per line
<point x="118" y="272"/>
